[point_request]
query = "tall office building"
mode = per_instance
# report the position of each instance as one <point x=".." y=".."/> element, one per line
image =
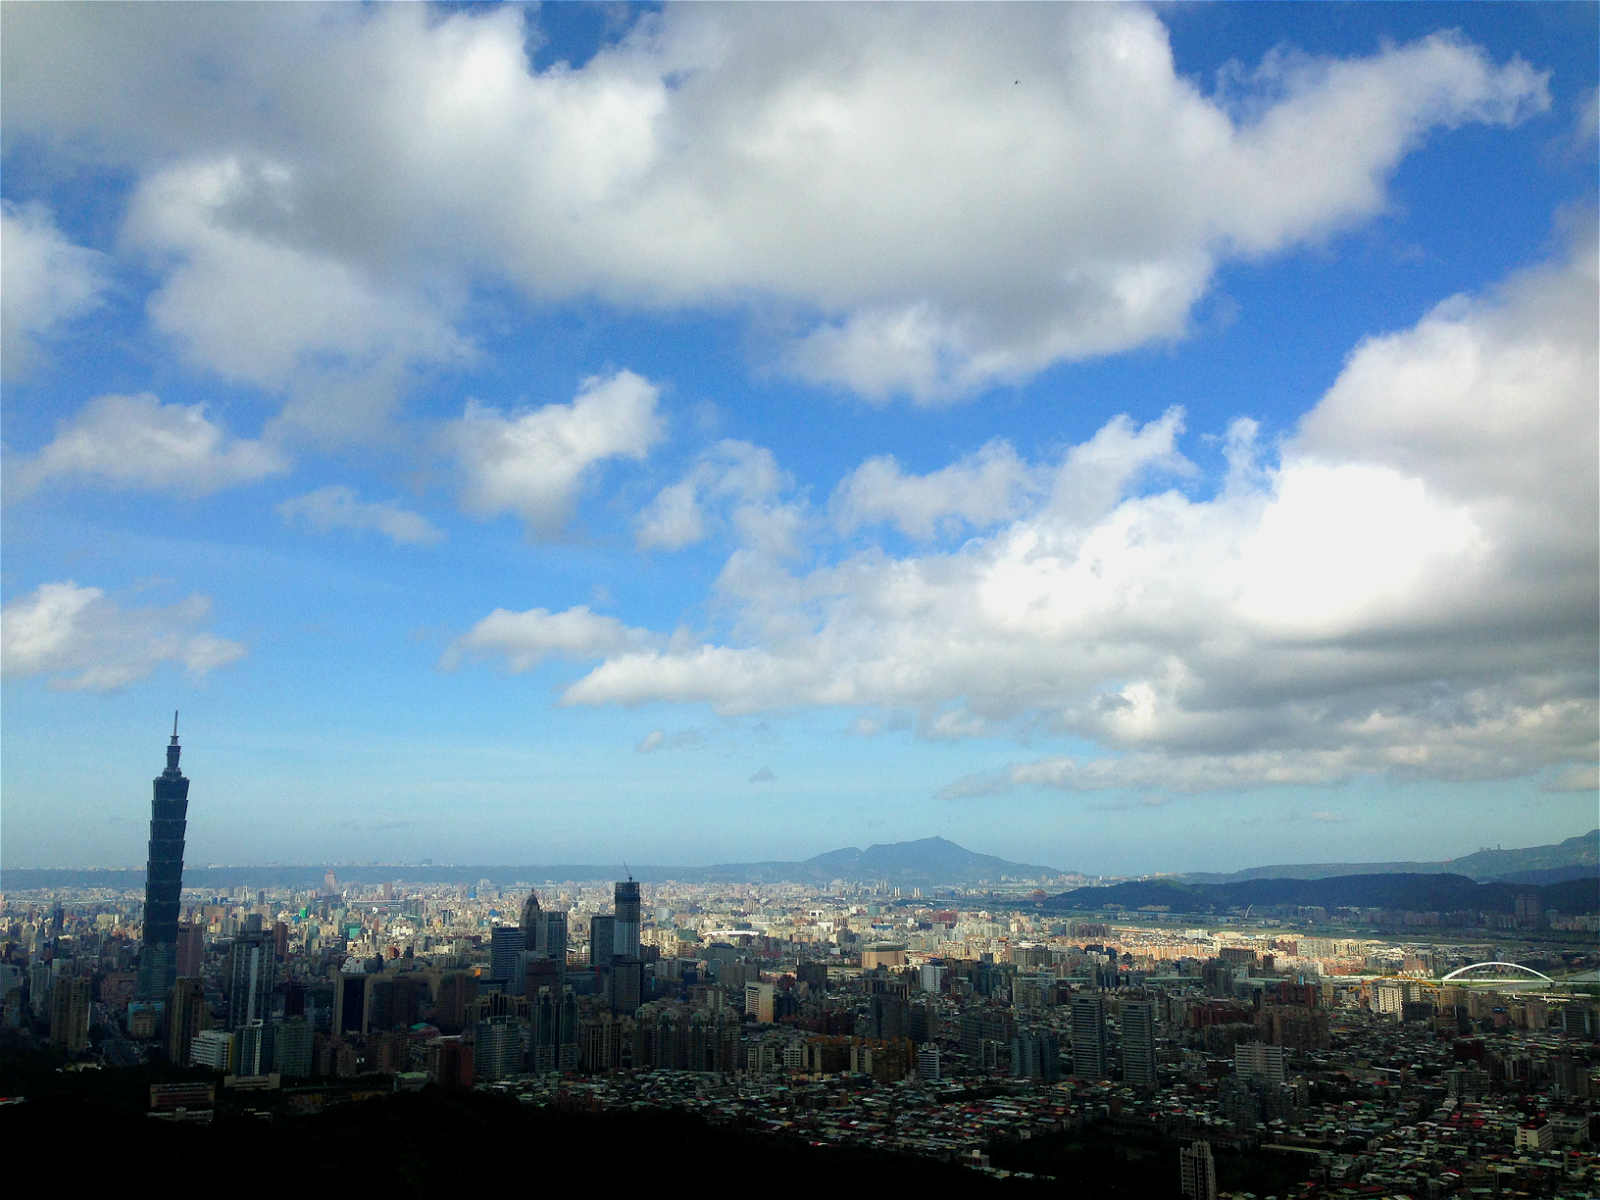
<point x="1139" y="1043"/>
<point x="625" y="931"/>
<point x="1089" y="1036"/>
<point x="507" y="945"/>
<point x="191" y="950"/>
<point x="163" y="880"/>
<point x="532" y="919"/>
<point x="252" y="1048"/>
<point x="497" y="1051"/>
<point x="252" y="975"/>
<point x="187" y="1015"/>
<point x="550" y="938"/>
<point x="602" y="936"/>
<point x="71" y="1002"/>
<point x="291" y="1048"/>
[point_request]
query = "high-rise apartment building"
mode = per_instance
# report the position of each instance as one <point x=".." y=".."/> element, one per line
<point x="1089" y="1036"/>
<point x="1139" y="1043"/>
<point x="758" y="1002"/>
<point x="1258" y="1062"/>
<point x="163" y="880"/>
<point x="1197" y="1172"/>
<point x="212" y="1048"/>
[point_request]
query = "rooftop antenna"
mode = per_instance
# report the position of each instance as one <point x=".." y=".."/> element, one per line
<point x="174" y="724"/>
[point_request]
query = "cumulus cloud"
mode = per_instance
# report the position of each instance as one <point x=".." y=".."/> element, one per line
<point x="932" y="235"/>
<point x="1405" y="586"/>
<point x="84" y="641"/>
<point x="46" y="282"/>
<point x="138" y="442"/>
<point x="525" y="639"/>
<point x="338" y="507"/>
<point x="732" y="481"/>
<point x="241" y="300"/>
<point x="981" y="490"/>
<point x="534" y="463"/>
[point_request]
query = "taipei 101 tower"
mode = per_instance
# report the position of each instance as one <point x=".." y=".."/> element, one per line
<point x="163" y="880"/>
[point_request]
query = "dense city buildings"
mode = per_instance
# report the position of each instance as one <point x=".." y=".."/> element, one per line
<point x="1362" y="1048"/>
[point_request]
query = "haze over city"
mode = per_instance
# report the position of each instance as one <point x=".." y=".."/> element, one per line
<point x="1121" y="439"/>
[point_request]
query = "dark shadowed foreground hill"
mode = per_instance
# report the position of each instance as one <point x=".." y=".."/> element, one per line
<point x="438" y="1144"/>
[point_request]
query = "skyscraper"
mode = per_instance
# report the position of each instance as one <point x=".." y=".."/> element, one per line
<point x="602" y="940"/>
<point x="507" y="946"/>
<point x="163" y="879"/>
<point x="625" y="931"/>
<point x="252" y="975"/>
<point x="627" y="973"/>
<point x="186" y="1016"/>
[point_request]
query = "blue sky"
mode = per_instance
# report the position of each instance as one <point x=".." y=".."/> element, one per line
<point x="1125" y="439"/>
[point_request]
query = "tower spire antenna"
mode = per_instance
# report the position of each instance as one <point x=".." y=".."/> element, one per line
<point x="174" y="724"/>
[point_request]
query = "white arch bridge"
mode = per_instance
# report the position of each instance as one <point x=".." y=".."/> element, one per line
<point x="1528" y="973"/>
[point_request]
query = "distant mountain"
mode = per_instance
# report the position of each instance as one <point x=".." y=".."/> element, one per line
<point x="1418" y="892"/>
<point x="1576" y="858"/>
<point x="929" y="862"/>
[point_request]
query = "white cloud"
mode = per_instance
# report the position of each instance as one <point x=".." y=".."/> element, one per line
<point x="525" y="639"/>
<point x="140" y="443"/>
<point x="534" y="463"/>
<point x="979" y="491"/>
<point x="1408" y="588"/>
<point x="85" y="642"/>
<point x="241" y="300"/>
<point x="1055" y="191"/>
<point x="673" y="519"/>
<point x="733" y="482"/>
<point x="338" y="507"/>
<point x="651" y="742"/>
<point x="46" y="282"/>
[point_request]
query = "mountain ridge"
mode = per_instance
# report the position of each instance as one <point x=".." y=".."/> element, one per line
<point x="1573" y="858"/>
<point x="1423" y="892"/>
<point x="924" y="862"/>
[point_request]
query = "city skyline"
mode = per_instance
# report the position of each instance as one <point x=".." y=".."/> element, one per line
<point x="1158" y="440"/>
